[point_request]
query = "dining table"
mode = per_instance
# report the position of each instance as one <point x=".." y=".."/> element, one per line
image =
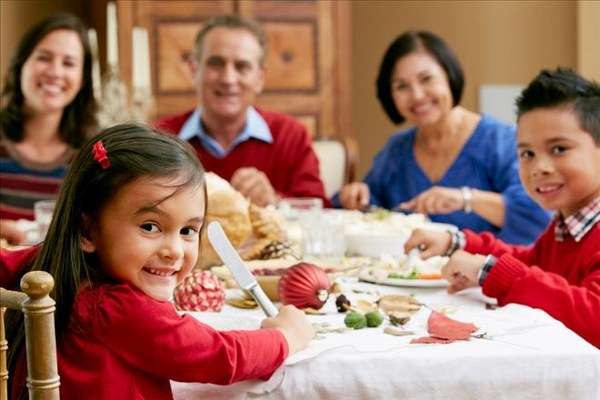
<point x="517" y="352"/>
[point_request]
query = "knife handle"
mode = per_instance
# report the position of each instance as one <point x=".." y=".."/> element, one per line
<point x="263" y="301"/>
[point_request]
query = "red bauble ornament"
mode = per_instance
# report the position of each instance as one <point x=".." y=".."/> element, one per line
<point x="200" y="291"/>
<point x="304" y="285"/>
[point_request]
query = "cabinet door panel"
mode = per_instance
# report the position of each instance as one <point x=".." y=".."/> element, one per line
<point x="307" y="56"/>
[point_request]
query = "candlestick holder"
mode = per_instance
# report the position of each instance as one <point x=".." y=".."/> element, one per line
<point x="116" y="106"/>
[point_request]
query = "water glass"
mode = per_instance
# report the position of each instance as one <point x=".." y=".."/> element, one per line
<point x="323" y="236"/>
<point x="42" y="211"/>
<point x="294" y="208"/>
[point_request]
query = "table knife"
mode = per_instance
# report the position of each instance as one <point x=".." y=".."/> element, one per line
<point x="231" y="258"/>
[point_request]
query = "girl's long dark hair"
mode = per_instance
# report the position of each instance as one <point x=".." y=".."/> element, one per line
<point x="134" y="151"/>
<point x="79" y="117"/>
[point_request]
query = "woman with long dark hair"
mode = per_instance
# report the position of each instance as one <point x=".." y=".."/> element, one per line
<point x="48" y="110"/>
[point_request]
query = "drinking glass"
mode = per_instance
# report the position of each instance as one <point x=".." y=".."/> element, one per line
<point x="42" y="211"/>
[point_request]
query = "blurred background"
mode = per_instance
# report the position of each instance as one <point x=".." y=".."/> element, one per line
<point x="324" y="55"/>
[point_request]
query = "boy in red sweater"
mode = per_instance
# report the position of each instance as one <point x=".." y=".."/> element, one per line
<point x="559" y="152"/>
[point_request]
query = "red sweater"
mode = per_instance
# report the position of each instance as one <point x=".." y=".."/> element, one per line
<point x="561" y="278"/>
<point x="122" y="344"/>
<point x="289" y="161"/>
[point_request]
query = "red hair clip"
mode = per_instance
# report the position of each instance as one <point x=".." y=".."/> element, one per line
<point x="100" y="154"/>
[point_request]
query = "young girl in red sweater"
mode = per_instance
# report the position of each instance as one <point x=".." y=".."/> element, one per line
<point x="125" y="232"/>
<point x="559" y="152"/>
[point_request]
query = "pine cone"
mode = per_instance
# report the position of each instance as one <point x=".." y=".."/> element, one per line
<point x="278" y="249"/>
<point x="200" y="291"/>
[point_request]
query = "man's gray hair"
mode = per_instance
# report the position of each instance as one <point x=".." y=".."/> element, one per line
<point x="231" y="21"/>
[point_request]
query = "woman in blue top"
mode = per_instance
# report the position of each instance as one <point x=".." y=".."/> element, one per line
<point x="457" y="166"/>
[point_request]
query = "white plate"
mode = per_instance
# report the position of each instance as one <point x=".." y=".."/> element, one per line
<point x="365" y="276"/>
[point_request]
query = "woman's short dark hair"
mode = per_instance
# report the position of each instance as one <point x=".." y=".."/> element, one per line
<point x="410" y="42"/>
<point x="78" y="119"/>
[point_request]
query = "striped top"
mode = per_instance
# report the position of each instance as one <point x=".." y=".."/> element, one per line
<point x="23" y="181"/>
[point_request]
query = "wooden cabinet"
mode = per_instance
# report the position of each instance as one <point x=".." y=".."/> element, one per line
<point x="308" y="61"/>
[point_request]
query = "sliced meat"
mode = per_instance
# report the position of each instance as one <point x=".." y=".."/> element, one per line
<point x="442" y="327"/>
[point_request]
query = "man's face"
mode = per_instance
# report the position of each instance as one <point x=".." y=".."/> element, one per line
<point x="229" y="74"/>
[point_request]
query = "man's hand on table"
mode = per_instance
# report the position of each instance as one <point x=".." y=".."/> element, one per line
<point x="254" y="185"/>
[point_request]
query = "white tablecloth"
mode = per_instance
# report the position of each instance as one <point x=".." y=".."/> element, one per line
<point x="530" y="356"/>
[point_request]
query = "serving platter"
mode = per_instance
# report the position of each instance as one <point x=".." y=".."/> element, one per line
<point x="366" y="275"/>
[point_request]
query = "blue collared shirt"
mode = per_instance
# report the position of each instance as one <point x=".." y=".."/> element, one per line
<point x="255" y="128"/>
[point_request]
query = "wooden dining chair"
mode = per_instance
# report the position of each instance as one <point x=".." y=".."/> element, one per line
<point x="40" y="341"/>
<point x="338" y="158"/>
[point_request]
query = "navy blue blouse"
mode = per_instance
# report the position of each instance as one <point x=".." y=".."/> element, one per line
<point x="488" y="161"/>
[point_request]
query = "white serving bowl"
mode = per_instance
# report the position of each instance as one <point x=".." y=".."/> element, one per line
<point x="376" y="244"/>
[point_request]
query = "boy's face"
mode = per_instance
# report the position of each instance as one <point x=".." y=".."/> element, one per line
<point x="147" y="235"/>
<point x="559" y="161"/>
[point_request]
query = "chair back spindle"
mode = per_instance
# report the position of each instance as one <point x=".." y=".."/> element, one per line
<point x="40" y="341"/>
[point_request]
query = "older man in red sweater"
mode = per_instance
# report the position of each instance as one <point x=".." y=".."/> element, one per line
<point x="264" y="155"/>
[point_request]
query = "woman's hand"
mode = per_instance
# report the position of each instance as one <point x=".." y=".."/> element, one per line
<point x="295" y="327"/>
<point x="462" y="270"/>
<point x="10" y="232"/>
<point x="355" y="196"/>
<point x="431" y="243"/>
<point x="436" y="200"/>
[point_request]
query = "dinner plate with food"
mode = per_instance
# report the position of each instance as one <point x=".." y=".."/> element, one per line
<point x="409" y="272"/>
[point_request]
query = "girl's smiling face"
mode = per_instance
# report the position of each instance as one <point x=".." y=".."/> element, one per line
<point x="559" y="161"/>
<point x="148" y="234"/>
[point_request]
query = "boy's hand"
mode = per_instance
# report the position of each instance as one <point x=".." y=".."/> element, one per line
<point x="462" y="270"/>
<point x="294" y="325"/>
<point x="431" y="243"/>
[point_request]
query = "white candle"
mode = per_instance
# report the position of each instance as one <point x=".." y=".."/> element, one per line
<point x="112" y="44"/>
<point x="141" y="59"/>
<point x="96" y="80"/>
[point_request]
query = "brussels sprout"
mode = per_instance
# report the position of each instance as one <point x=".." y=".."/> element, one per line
<point x="374" y="319"/>
<point x="355" y="320"/>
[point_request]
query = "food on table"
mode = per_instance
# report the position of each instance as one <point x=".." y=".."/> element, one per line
<point x="399" y="317"/>
<point x="355" y="320"/>
<point x="278" y="249"/>
<point x="342" y="303"/>
<point x="395" y="302"/>
<point x="365" y="306"/>
<point x="440" y="326"/>
<point x="395" y="331"/>
<point x="374" y="319"/>
<point x="242" y="303"/>
<point x="249" y="228"/>
<point x="430" y="340"/>
<point x="200" y="291"/>
<point x="418" y="269"/>
<point x="304" y="285"/>
<point x="445" y="330"/>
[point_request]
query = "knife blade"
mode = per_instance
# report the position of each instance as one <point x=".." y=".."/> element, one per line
<point x="231" y="258"/>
